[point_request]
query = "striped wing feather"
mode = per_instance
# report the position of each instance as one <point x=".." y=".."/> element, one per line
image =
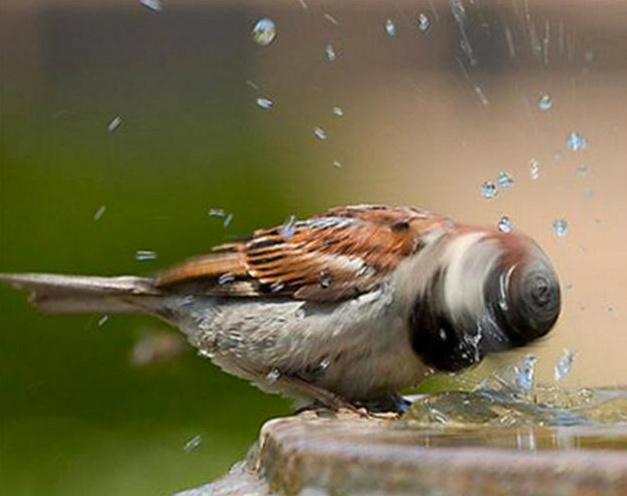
<point x="334" y="256"/>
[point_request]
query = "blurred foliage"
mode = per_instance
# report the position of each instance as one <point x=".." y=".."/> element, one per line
<point x="76" y="416"/>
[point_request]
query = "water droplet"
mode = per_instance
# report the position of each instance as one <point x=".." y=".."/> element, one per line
<point x="423" y="23"/>
<point x="545" y="103"/>
<point x="564" y="364"/>
<point x="534" y="169"/>
<point x="226" y="279"/>
<point x="154" y="5"/>
<point x="100" y="212"/>
<point x="216" y="212"/>
<point x="488" y="190"/>
<point x="273" y="376"/>
<point x="576" y="142"/>
<point x="338" y="111"/>
<point x="145" y="255"/>
<point x="582" y="170"/>
<point x="525" y="372"/>
<point x="481" y="95"/>
<point x="289" y="227"/>
<point x="102" y="320"/>
<point x="505" y="224"/>
<point x="325" y="279"/>
<point x="330" y="18"/>
<point x="330" y="53"/>
<point x="115" y="124"/>
<point x="320" y="133"/>
<point x="193" y="443"/>
<point x="560" y="226"/>
<point x="337" y="164"/>
<point x="264" y="31"/>
<point x="227" y="221"/>
<point x="252" y="84"/>
<point x="277" y="287"/>
<point x="504" y="180"/>
<point x="390" y="28"/>
<point x="265" y="103"/>
<point x="204" y="353"/>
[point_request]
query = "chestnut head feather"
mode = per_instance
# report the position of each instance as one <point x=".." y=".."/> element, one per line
<point x="489" y="291"/>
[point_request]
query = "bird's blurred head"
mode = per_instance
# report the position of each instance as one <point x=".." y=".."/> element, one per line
<point x="489" y="291"/>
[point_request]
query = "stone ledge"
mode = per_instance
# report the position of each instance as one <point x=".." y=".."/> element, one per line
<point x="348" y="455"/>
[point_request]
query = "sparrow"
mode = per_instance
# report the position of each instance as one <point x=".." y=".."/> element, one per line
<point x="345" y="307"/>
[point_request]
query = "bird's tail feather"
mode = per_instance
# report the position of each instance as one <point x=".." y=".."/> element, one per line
<point x="56" y="293"/>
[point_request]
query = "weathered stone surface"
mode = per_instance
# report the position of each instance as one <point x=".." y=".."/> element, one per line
<point x="308" y="455"/>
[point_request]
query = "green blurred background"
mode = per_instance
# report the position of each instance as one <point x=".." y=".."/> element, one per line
<point x="421" y="126"/>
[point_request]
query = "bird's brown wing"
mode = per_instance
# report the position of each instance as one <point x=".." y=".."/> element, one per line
<point x="334" y="256"/>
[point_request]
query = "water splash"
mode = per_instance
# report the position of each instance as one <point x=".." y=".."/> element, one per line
<point x="329" y="52"/>
<point x="115" y="124"/>
<point x="576" y="142"/>
<point x="560" y="227"/>
<point x="423" y="23"/>
<point x="488" y="190"/>
<point x="154" y="5"/>
<point x="145" y="255"/>
<point x="289" y="227"/>
<point x="505" y="225"/>
<point x="534" y="169"/>
<point x="320" y="133"/>
<point x="545" y="103"/>
<point x="192" y="444"/>
<point x="264" y="31"/>
<point x="273" y="376"/>
<point x="564" y="365"/>
<point x="265" y="103"/>
<point x="504" y="180"/>
<point x="390" y="27"/>
<point x="100" y="212"/>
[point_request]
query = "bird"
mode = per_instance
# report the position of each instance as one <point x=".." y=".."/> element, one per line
<point x="343" y="308"/>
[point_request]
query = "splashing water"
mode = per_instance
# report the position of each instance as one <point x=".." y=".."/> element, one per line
<point x="320" y="133"/>
<point x="545" y="103"/>
<point x="102" y="320"/>
<point x="505" y="224"/>
<point x="226" y="279"/>
<point x="289" y="227"/>
<point x="504" y="180"/>
<point x="100" y="212"/>
<point x="145" y="255"/>
<point x="330" y="53"/>
<point x="154" y="5"/>
<point x="488" y="190"/>
<point x="423" y="23"/>
<point x="390" y="28"/>
<point x="534" y="169"/>
<point x="338" y="111"/>
<point x="564" y="365"/>
<point x="192" y="444"/>
<point x="273" y="376"/>
<point x="264" y="31"/>
<point x="265" y="103"/>
<point x="115" y="124"/>
<point x="576" y="142"/>
<point x="560" y="227"/>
